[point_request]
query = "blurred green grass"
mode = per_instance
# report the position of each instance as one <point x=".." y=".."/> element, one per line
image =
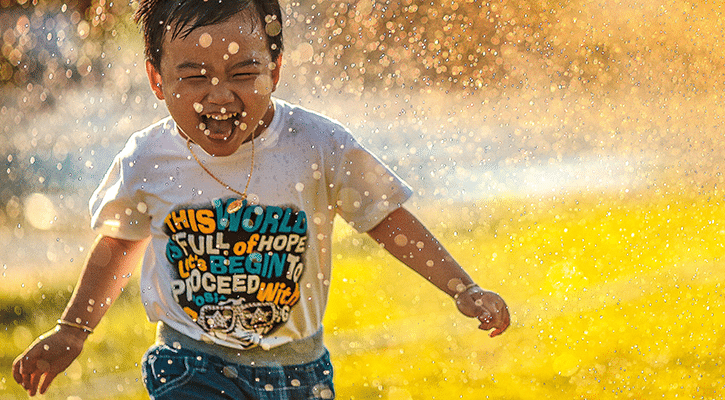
<point x="613" y="296"/>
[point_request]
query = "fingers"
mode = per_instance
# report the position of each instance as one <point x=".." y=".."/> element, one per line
<point x="26" y="369"/>
<point x="498" y="325"/>
<point x="498" y="320"/>
<point x="29" y="376"/>
<point x="487" y="322"/>
<point x="496" y="332"/>
<point x="491" y="311"/>
<point x="29" y="369"/>
<point x="34" y="381"/>
<point x="47" y="380"/>
<point x="16" y="370"/>
<point x="48" y="356"/>
<point x="25" y="375"/>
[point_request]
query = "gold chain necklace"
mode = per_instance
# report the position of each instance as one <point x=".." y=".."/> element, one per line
<point x="236" y="205"/>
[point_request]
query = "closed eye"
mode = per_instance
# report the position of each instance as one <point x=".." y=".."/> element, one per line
<point x="245" y="69"/>
<point x="243" y="75"/>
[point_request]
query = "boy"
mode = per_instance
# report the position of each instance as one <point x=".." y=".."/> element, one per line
<point x="232" y="200"/>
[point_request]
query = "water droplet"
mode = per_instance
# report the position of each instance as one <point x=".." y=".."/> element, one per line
<point x="233" y="48"/>
<point x="205" y="40"/>
<point x="198" y="107"/>
<point x="454" y="284"/>
<point x="230" y="372"/>
<point x="322" y="391"/>
<point x="273" y="28"/>
<point x="400" y="240"/>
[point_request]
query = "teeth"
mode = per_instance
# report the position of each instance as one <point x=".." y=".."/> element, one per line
<point x="222" y="117"/>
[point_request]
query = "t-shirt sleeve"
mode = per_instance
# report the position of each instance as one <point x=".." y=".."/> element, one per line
<point x="117" y="210"/>
<point x="366" y="189"/>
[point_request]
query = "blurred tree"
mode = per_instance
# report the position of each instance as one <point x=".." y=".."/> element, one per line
<point x="48" y="45"/>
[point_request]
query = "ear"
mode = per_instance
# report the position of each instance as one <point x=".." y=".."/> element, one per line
<point x="154" y="80"/>
<point x="276" y="72"/>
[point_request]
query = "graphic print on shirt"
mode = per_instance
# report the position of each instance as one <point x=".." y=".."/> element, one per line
<point x="237" y="275"/>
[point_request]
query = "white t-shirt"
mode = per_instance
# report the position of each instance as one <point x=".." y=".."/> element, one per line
<point x="259" y="276"/>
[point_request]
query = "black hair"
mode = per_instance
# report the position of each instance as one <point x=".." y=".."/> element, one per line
<point x="181" y="17"/>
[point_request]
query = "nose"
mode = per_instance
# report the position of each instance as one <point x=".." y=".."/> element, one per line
<point x="220" y="93"/>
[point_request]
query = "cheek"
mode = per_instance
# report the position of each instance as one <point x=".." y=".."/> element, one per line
<point x="263" y="85"/>
<point x="184" y="91"/>
<point x="184" y="109"/>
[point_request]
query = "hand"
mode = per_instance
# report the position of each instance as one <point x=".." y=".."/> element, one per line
<point x="48" y="356"/>
<point x="487" y="306"/>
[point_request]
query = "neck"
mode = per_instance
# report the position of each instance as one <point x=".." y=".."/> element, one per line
<point x="263" y="123"/>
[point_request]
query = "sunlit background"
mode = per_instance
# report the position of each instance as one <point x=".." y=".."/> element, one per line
<point x="567" y="153"/>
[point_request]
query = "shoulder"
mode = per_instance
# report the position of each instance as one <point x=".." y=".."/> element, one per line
<point x="157" y="138"/>
<point x="299" y="120"/>
<point x="151" y="150"/>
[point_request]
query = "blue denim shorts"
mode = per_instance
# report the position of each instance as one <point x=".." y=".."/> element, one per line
<point x="170" y="373"/>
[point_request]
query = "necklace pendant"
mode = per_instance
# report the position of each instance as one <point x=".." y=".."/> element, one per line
<point x="235" y="206"/>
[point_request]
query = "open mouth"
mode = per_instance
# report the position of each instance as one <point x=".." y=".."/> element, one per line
<point x="220" y="126"/>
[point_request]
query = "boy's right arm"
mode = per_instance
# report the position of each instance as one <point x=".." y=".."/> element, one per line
<point x="107" y="270"/>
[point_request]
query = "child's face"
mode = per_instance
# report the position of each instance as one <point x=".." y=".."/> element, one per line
<point x="217" y="82"/>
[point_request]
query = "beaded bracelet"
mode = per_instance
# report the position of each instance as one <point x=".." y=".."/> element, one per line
<point x="74" y="325"/>
<point x="467" y="288"/>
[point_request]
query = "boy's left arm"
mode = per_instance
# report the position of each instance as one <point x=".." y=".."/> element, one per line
<point x="405" y="237"/>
